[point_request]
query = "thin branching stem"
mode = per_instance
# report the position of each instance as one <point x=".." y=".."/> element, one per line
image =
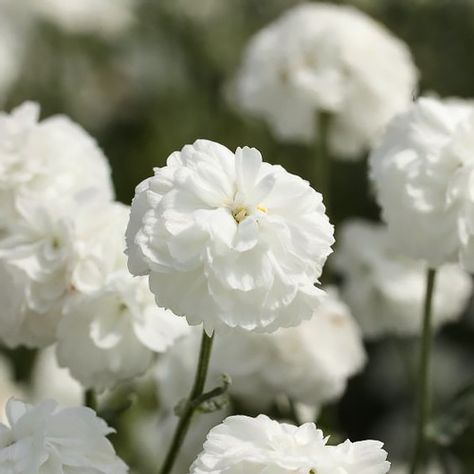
<point x="424" y="392"/>
<point x="191" y="405"/>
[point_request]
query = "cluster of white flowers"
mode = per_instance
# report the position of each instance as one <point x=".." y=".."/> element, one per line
<point x="423" y="171"/>
<point x="305" y="363"/>
<point x="45" y="439"/>
<point x="322" y="58"/>
<point x="385" y="290"/>
<point x="258" y="445"/>
<point x="229" y="240"/>
<point x="62" y="264"/>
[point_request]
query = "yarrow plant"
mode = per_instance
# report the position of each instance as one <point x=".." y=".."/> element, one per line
<point x="228" y="240"/>
<point x="260" y="445"/>
<point x="385" y="291"/>
<point x="422" y="171"/>
<point x="318" y="59"/>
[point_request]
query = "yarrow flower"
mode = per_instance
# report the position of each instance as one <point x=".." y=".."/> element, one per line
<point x="51" y="160"/>
<point x="321" y="58"/>
<point x="106" y="322"/>
<point x="112" y="334"/>
<point x="56" y="251"/>
<point x="259" y="445"/>
<point x="304" y="363"/>
<point x="228" y="240"/>
<point x="43" y="439"/>
<point x="422" y="172"/>
<point x="385" y="290"/>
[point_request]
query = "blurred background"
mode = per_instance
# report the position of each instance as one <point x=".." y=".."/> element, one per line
<point x="146" y="77"/>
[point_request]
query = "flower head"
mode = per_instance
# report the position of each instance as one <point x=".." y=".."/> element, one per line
<point x="260" y="445"/>
<point x="55" y="250"/>
<point x="229" y="240"/>
<point x="45" y="438"/>
<point x="51" y="160"/>
<point x="331" y="59"/>
<point x="385" y="290"/>
<point x="112" y="334"/>
<point x="423" y="172"/>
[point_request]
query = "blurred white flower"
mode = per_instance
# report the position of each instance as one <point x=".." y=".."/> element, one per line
<point x="259" y="445"/>
<point x="57" y="250"/>
<point x="228" y="240"/>
<point x="305" y="363"/>
<point x="49" y="160"/>
<point x="385" y="290"/>
<point x="50" y="380"/>
<point x="47" y="439"/>
<point x="111" y="335"/>
<point x="326" y="58"/>
<point x="423" y="172"/>
<point x="107" y="18"/>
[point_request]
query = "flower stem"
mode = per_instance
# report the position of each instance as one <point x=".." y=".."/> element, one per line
<point x="90" y="399"/>
<point x="191" y="406"/>
<point x="424" y="401"/>
<point x="323" y="160"/>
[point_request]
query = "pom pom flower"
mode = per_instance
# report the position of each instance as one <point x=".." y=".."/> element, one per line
<point x="229" y="240"/>
<point x="320" y="58"/>
<point x="45" y="439"/>
<point x="260" y="445"/>
<point x="423" y="171"/>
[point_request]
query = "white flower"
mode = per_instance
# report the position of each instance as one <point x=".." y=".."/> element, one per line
<point x="112" y="334"/>
<point x="260" y="445"/>
<point x="326" y="58"/>
<point x="422" y="171"/>
<point x="385" y="290"/>
<point x="45" y="439"/>
<point x="50" y="380"/>
<point x="104" y="17"/>
<point x="56" y="250"/>
<point x="47" y="160"/>
<point x="229" y="240"/>
<point x="305" y="363"/>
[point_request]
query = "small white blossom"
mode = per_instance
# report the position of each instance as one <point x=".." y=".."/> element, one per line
<point x="322" y="58"/>
<point x="111" y="335"/>
<point x="261" y="445"/>
<point x="46" y="439"/>
<point x="57" y="250"/>
<point x="228" y="240"/>
<point x="385" y="290"/>
<point x="422" y="171"/>
<point x="104" y="17"/>
<point x="305" y="363"/>
<point x="50" y="160"/>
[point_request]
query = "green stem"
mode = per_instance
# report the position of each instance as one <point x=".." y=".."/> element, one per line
<point x="191" y="406"/>
<point x="90" y="399"/>
<point x="424" y="400"/>
<point x="323" y="163"/>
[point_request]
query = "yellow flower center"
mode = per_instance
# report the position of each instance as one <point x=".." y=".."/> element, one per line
<point x="239" y="213"/>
